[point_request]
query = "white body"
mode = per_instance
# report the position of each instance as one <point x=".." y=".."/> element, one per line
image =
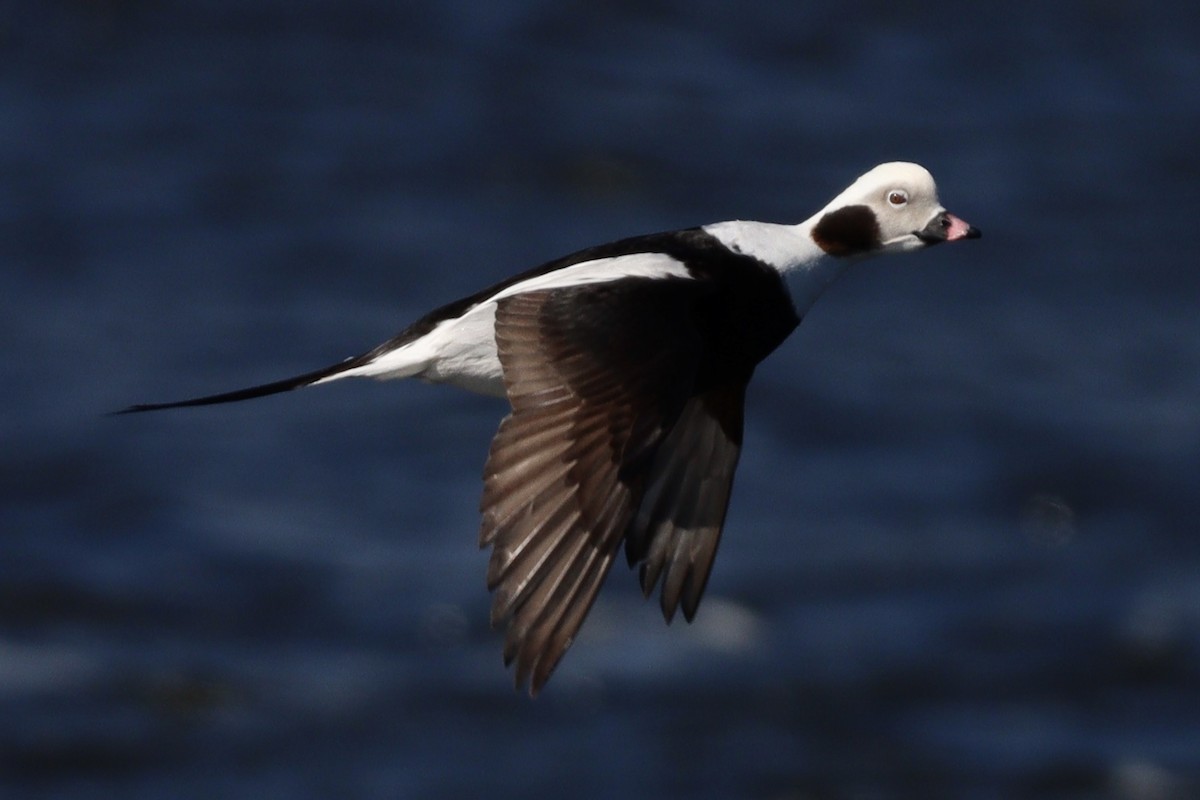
<point x="462" y="350"/>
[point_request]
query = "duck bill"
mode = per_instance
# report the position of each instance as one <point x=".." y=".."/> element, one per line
<point x="946" y="227"/>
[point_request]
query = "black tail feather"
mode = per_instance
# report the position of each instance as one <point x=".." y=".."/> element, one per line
<point x="262" y="390"/>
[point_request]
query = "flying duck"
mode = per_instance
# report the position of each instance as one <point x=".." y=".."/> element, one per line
<point x="626" y="366"/>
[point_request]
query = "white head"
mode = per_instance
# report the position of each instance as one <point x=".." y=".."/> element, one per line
<point x="894" y="208"/>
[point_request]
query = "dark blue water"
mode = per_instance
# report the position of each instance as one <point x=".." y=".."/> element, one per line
<point x="962" y="558"/>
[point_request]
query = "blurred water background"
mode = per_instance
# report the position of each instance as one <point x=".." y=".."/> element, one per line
<point x="962" y="557"/>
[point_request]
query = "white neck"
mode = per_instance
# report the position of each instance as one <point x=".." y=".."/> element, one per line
<point x="790" y="249"/>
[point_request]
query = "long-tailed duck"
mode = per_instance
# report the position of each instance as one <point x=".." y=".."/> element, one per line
<point x="626" y="367"/>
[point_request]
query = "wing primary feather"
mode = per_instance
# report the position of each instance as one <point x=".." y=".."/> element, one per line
<point x="677" y="527"/>
<point x="560" y="616"/>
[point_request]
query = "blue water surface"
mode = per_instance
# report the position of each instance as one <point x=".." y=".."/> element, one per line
<point x="962" y="557"/>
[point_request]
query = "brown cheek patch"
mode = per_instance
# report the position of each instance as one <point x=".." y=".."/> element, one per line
<point x="848" y="231"/>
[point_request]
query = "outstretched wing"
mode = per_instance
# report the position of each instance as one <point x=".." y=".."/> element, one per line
<point x="609" y="413"/>
<point x="678" y="524"/>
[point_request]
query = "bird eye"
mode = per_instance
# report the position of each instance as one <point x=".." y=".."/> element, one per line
<point x="897" y="197"/>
